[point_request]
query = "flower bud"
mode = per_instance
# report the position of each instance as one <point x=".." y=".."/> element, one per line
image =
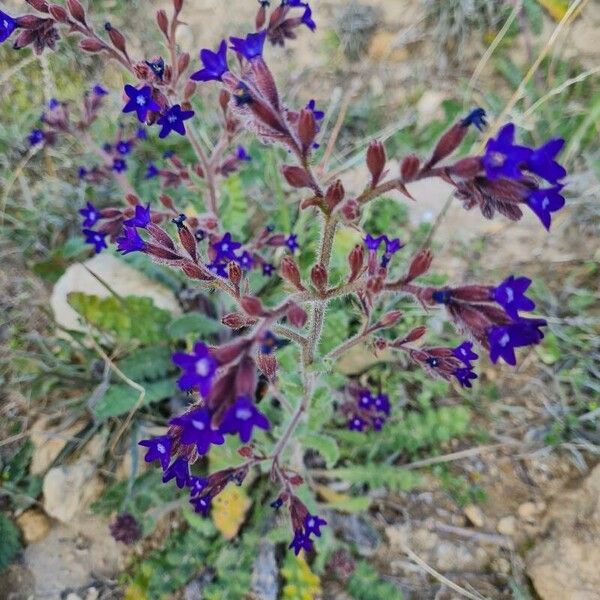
<point x="188" y="241"/>
<point x="91" y="45"/>
<point x="318" y="275"/>
<point x="466" y="168"/>
<point x="132" y="199"/>
<point x="290" y="272"/>
<point x="40" y="5"/>
<point x="380" y="344"/>
<point x="420" y="265"/>
<point x="375" y="161"/>
<point x="161" y="252"/>
<point x="177" y="5"/>
<point x="117" y="39"/>
<point x="160" y="235"/>
<point x="307" y="129"/>
<point x="59" y="13"/>
<point x="334" y="194"/>
<point x="410" y="167"/>
<point x="162" y="21"/>
<point x="189" y="90"/>
<point x="235" y="273"/>
<point x="267" y="363"/>
<point x="167" y="202"/>
<point x="252" y="306"/>
<point x="183" y="62"/>
<point x="296" y="176"/>
<point x="356" y="259"/>
<point x="261" y="17"/>
<point x="351" y="211"/>
<point x="195" y="272"/>
<point x="448" y="143"/>
<point x="110" y="213"/>
<point x="391" y="318"/>
<point x="30" y="22"/>
<point x="77" y="11"/>
<point x="312" y="201"/>
<point x="229" y="352"/>
<point x="473" y="293"/>
<point x="236" y="321"/>
<point x="245" y="451"/>
<point x="296" y="315"/>
<point x="245" y="380"/>
<point x="24" y="39"/>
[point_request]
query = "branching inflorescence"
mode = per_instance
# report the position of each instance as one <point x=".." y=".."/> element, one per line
<point x="222" y="380"/>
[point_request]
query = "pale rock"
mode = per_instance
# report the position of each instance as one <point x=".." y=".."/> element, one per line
<point x="48" y="440"/>
<point x="507" y="525"/>
<point x="34" y="524"/>
<point x="475" y="515"/>
<point x="530" y="511"/>
<point x="122" y="278"/>
<point x="429" y="106"/>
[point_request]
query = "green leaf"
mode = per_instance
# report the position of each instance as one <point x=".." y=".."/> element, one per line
<point x="365" y="583"/>
<point x="351" y="504"/>
<point x="147" y="364"/>
<point x="325" y="445"/>
<point x="376" y="475"/>
<point x="233" y="204"/>
<point x="10" y="544"/>
<point x="121" y="398"/>
<point x="194" y="324"/>
<point x="133" y="318"/>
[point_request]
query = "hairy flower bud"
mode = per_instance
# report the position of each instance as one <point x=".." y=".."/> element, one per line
<point x="189" y="90"/>
<point x="448" y="143"/>
<point x="350" y="210"/>
<point x="188" y="241"/>
<point x="296" y="315"/>
<point x="419" y="265"/>
<point x="162" y="21"/>
<point x="235" y="273"/>
<point x="307" y="129"/>
<point x="334" y="194"/>
<point x="252" y="306"/>
<point x="30" y="21"/>
<point x="91" y="45"/>
<point x="77" y="11"/>
<point x="391" y="318"/>
<point x="40" y="5"/>
<point x="318" y="275"/>
<point x="224" y="97"/>
<point x="116" y="37"/>
<point x="183" y="62"/>
<point x="261" y="17"/>
<point x="167" y="202"/>
<point x="267" y="363"/>
<point x="160" y="235"/>
<point x="237" y="321"/>
<point x="59" y="13"/>
<point x="410" y="167"/>
<point x="296" y="176"/>
<point x="356" y="259"/>
<point x="412" y="336"/>
<point x="466" y="168"/>
<point x="375" y="161"/>
<point x="195" y="272"/>
<point x="177" y="5"/>
<point x="290" y="272"/>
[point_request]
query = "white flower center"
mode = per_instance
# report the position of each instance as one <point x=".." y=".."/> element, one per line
<point x="510" y="296"/>
<point x="161" y="449"/>
<point x="504" y="339"/>
<point x="243" y="414"/>
<point x="497" y="158"/>
<point x="141" y="100"/>
<point x="199" y="425"/>
<point x="202" y="367"/>
<point x="545" y="202"/>
<point x="98" y="238"/>
<point x="311" y="523"/>
<point x="225" y="247"/>
<point x="172" y="118"/>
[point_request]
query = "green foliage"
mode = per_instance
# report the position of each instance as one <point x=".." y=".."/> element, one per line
<point x="335" y="328"/>
<point x="195" y="325"/>
<point x="366" y="584"/>
<point x="233" y="204"/>
<point x="11" y="545"/>
<point x="148" y="364"/>
<point x="15" y="480"/>
<point x="325" y="445"/>
<point x="133" y="318"/>
<point x="300" y="582"/>
<point x="377" y="476"/>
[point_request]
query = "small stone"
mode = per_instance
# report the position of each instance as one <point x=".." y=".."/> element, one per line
<point x="530" y="511"/>
<point x="66" y="488"/>
<point x="507" y="525"/>
<point x="475" y="515"/>
<point x="34" y="524"/>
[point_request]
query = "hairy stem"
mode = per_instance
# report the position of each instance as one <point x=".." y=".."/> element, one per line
<point x="208" y="171"/>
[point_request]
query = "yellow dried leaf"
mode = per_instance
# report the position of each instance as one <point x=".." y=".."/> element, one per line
<point x="556" y="8"/>
<point x="135" y="592"/>
<point x="229" y="510"/>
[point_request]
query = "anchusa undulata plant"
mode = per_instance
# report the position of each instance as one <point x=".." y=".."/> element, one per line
<point x="222" y="381"/>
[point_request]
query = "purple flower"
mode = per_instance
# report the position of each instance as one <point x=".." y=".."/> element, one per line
<point x="477" y="118"/>
<point x="307" y="18"/>
<point x="197" y="485"/>
<point x="317" y="114"/>
<point x="378" y="423"/>
<point x="119" y="165"/>
<point x="157" y="67"/>
<point x="292" y="243"/>
<point x="82" y="172"/>
<point x="159" y="448"/>
<point x="268" y="269"/>
<point x="313" y="524"/>
<point x="196" y="429"/>
<point x="98" y="90"/>
<point x="198" y="368"/>
<point x="7" y="26"/>
<point x="465" y="353"/>
<point x="172" y="120"/>
<point x="35" y="137"/>
<point x="107" y="148"/>
<point x="245" y="261"/>
<point x="542" y="163"/>
<point x="510" y="294"/>
<point x="218" y="268"/>
<point x="365" y="399"/>
<point x="241" y="154"/>
<point x="503" y="339"/>
<point x="202" y="504"/>
<point x="300" y="542"/>
<point x="141" y="218"/>
<point x="141" y="133"/>
<point x="373" y="243"/>
<point x="543" y="202"/>
<point x="392" y="246"/>
<point x="130" y="241"/>
<point x="502" y="157"/>
<point x="225" y="248"/>
<point x="96" y="239"/>
<point x="242" y="417"/>
<point x="464" y="376"/>
<point x="382" y="403"/>
<point x="215" y="64"/>
<point x="251" y="46"/>
<point x="123" y="147"/>
<point x="90" y="214"/>
<point x="140" y="101"/>
<point x="356" y="424"/>
<point x="269" y="343"/>
<point x="179" y="470"/>
<point x="152" y="171"/>
<point x="53" y="103"/>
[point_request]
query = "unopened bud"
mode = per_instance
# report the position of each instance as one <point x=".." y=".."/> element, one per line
<point x="296" y="176"/>
<point x="252" y="306"/>
<point x="224" y="97"/>
<point x="391" y="318"/>
<point x="162" y="21"/>
<point x="448" y="143"/>
<point x="59" y="13"/>
<point x="91" y="45"/>
<point x="189" y="90"/>
<point x="290" y="272"/>
<point x="466" y="168"/>
<point x="188" y="241"/>
<point x="350" y="211"/>
<point x="237" y="321"/>
<point x="40" y="5"/>
<point x="117" y="39"/>
<point x="375" y="161"/>
<point x="410" y="167"/>
<point x="267" y="363"/>
<point x="77" y="11"/>
<point x="167" y="202"/>
<point x="235" y="273"/>
<point x="177" y="5"/>
<point x="307" y="129"/>
<point x="195" y="272"/>
<point x="261" y="17"/>
<point x="419" y="265"/>
<point x="318" y="275"/>
<point x="296" y="315"/>
<point x="183" y="62"/>
<point x="356" y="259"/>
<point x="334" y="195"/>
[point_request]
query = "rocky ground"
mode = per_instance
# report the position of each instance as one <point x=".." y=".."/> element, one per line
<point x="539" y="527"/>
